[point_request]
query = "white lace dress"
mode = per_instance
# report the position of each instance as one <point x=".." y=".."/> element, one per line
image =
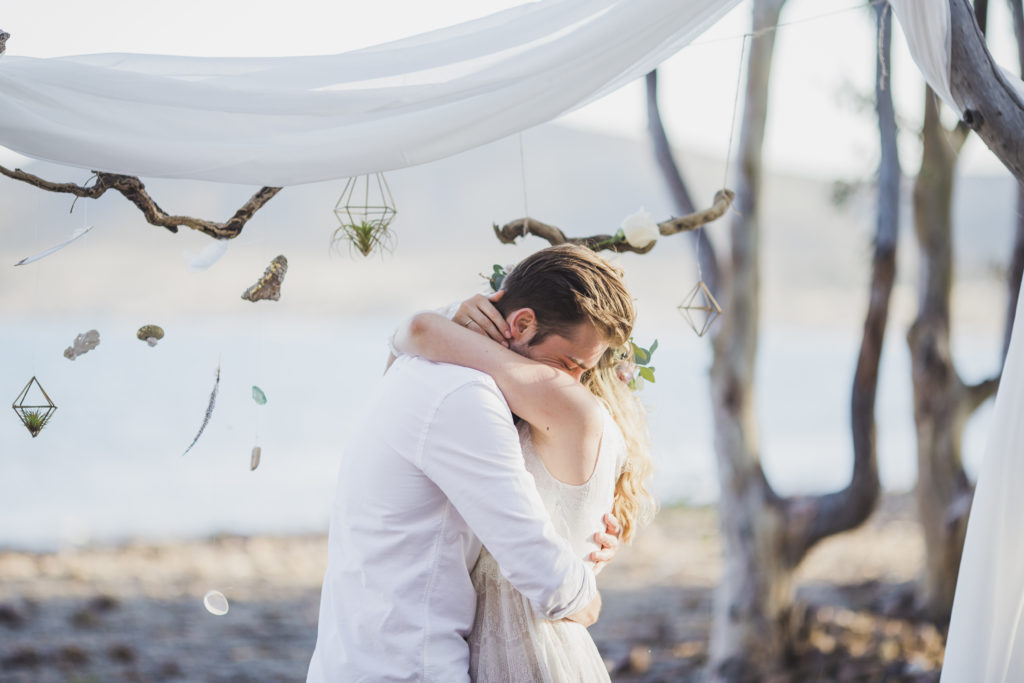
<point x="510" y="643"/>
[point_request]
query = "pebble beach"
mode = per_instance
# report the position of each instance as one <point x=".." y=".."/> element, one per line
<point x="135" y="612"/>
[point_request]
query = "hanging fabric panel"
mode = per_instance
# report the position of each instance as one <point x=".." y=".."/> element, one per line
<point x="292" y="120"/>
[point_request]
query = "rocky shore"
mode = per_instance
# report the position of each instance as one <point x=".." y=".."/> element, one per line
<point x="136" y="612"/>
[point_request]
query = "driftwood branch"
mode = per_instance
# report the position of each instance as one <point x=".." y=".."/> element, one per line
<point x="508" y="233"/>
<point x="4" y="35"/>
<point x="135" y="191"/>
<point x="991" y="106"/>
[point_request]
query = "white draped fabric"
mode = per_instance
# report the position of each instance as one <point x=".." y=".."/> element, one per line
<point x="286" y="121"/>
<point x="985" y="641"/>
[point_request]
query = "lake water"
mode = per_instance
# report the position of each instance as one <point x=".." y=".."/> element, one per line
<point x="110" y="465"/>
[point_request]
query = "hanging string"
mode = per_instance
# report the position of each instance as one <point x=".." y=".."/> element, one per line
<point x="522" y="172"/>
<point x="735" y="108"/>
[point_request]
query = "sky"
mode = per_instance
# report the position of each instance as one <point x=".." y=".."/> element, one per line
<point x="823" y="71"/>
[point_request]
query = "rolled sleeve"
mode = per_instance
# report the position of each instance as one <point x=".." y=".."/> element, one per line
<point x="471" y="451"/>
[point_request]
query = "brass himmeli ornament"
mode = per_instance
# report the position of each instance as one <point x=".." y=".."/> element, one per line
<point x="269" y="286"/>
<point x="700" y="308"/>
<point x="35" y="414"/>
<point x="364" y="212"/>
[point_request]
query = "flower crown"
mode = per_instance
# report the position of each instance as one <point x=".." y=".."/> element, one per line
<point x="633" y="371"/>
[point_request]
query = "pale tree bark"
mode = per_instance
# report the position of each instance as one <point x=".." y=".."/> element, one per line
<point x="942" y="401"/>
<point x="992" y="106"/>
<point x="1016" y="269"/>
<point x="766" y="536"/>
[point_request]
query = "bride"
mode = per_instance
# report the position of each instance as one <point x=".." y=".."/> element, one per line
<point x="584" y="441"/>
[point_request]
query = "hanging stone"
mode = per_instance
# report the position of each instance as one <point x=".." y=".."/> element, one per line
<point x="269" y="286"/>
<point x="254" y="459"/>
<point x="700" y="308"/>
<point x="83" y="343"/>
<point x="150" y="334"/>
<point x="34" y="407"/>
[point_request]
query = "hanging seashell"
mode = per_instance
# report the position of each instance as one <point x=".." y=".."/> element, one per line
<point x="254" y="460"/>
<point x="268" y="286"/>
<point x="215" y="603"/>
<point x="87" y="341"/>
<point x="150" y="334"/>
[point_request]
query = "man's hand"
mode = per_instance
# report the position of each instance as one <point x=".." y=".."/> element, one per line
<point x="609" y="542"/>
<point x="478" y="313"/>
<point x="589" y="614"/>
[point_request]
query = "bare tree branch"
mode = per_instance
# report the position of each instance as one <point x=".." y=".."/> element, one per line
<point x="508" y="233"/>
<point x="706" y="254"/>
<point x="4" y="35"/>
<point x="135" y="191"/>
<point x="976" y="394"/>
<point x="991" y="106"/>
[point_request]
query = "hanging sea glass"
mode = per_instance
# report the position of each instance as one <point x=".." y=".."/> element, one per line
<point x="700" y="308"/>
<point x="259" y="396"/>
<point x="33" y="407"/>
<point x="365" y="210"/>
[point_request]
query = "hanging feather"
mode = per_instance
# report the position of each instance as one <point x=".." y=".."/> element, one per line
<point x="268" y="286"/>
<point x="43" y="254"/>
<point x="208" y="256"/>
<point x="209" y="411"/>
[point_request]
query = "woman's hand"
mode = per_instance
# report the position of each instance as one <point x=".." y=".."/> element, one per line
<point x="609" y="542"/>
<point x="478" y="313"/>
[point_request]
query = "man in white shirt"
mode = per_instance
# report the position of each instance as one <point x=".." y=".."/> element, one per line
<point x="434" y="471"/>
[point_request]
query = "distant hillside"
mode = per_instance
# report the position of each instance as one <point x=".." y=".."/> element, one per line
<point x="582" y="181"/>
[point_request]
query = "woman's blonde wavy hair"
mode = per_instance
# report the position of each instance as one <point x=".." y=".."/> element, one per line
<point x="634" y="505"/>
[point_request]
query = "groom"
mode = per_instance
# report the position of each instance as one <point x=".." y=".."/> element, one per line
<point x="434" y="470"/>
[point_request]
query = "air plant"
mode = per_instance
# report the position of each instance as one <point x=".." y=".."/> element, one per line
<point x="35" y="420"/>
<point x="365" y="236"/>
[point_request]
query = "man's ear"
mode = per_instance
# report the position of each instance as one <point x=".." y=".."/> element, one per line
<point x="523" y="322"/>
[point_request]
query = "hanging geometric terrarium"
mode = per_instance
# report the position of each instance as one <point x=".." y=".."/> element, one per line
<point x="33" y="407"/>
<point x="700" y="308"/>
<point x="365" y="210"/>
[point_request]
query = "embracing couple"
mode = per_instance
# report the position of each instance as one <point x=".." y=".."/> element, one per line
<point x="472" y="506"/>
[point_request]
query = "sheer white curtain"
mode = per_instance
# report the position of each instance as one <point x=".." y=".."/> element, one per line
<point x="286" y="121"/>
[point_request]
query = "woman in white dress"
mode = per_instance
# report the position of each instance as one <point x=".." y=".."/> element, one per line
<point x="585" y="444"/>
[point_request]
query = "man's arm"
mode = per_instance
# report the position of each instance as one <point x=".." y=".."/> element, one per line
<point x="471" y="451"/>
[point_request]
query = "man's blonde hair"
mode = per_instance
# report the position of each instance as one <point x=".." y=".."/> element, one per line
<point x="566" y="285"/>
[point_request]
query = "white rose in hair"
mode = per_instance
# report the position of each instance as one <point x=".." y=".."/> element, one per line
<point x="640" y="228"/>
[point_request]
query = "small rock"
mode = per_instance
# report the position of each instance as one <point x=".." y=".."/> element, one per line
<point x="640" y="659"/>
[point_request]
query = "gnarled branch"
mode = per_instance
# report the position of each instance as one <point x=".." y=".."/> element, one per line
<point x="508" y="233"/>
<point x="992" y="107"/>
<point x="135" y="191"/>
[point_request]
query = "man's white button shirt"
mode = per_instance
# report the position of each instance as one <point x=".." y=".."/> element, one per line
<point x="434" y="469"/>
